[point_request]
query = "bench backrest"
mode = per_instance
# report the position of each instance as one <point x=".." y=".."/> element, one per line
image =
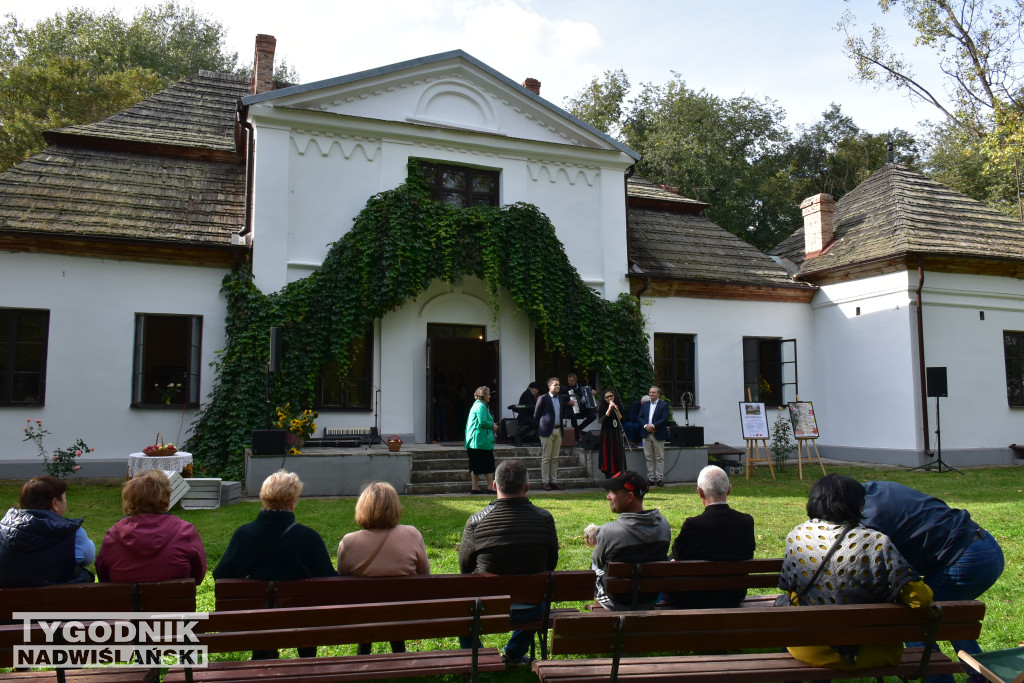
<point x="360" y="623"/>
<point x="762" y="627"/>
<point x="177" y="596"/>
<point x="693" y="575"/>
<point x="247" y="594"/>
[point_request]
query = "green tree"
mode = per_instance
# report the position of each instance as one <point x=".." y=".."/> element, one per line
<point x="80" y="66"/>
<point x="960" y="160"/>
<point x="834" y="154"/>
<point x="978" y="44"/>
<point x="600" y="103"/>
<point x="723" y="152"/>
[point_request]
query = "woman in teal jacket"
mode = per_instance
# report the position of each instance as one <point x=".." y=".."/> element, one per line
<point x="480" y="430"/>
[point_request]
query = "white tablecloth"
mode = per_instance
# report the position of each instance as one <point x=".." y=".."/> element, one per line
<point x="140" y="462"/>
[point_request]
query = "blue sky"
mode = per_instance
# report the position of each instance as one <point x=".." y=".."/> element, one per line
<point x="787" y="50"/>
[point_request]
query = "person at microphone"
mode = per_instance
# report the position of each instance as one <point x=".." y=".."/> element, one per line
<point x="611" y="460"/>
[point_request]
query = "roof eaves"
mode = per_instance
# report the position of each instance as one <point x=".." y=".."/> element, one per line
<point x="432" y="59"/>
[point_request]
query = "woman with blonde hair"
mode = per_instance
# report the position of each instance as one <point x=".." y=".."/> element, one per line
<point x="480" y="431"/>
<point x="383" y="547"/>
<point x="149" y="544"/>
<point x="275" y="547"/>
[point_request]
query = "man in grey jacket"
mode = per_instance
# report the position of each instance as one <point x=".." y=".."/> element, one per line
<point x="637" y="535"/>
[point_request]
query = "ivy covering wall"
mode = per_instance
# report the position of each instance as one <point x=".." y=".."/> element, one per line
<point x="400" y="242"/>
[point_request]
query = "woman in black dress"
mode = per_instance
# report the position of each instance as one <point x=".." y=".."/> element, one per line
<point x="610" y="416"/>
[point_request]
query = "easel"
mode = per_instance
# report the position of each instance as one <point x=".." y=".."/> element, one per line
<point x="754" y="452"/>
<point x="754" y="455"/>
<point x="801" y="444"/>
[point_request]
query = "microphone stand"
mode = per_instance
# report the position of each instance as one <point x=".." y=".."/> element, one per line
<point x="375" y="439"/>
<point x="626" y="443"/>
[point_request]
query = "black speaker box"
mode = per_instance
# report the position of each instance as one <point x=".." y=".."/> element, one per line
<point x="269" y="442"/>
<point x="686" y="437"/>
<point x="276" y="348"/>
<point x="590" y="441"/>
<point x="509" y="429"/>
<point x="935" y="380"/>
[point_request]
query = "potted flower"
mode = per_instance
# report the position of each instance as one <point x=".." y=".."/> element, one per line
<point x="394" y="443"/>
<point x="299" y="423"/>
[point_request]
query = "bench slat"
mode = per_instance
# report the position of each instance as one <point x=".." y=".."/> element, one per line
<point x="353" y="668"/>
<point x="742" y="668"/>
<point x="122" y="675"/>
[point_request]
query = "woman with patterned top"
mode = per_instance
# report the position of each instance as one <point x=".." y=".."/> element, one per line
<point x="864" y="568"/>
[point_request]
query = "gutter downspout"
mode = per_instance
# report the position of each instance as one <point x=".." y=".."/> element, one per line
<point x="250" y="149"/>
<point x="920" y="359"/>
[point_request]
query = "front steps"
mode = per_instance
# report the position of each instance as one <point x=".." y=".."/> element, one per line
<point x="445" y="469"/>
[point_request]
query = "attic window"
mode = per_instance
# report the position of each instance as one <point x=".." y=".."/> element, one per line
<point x="460" y="185"/>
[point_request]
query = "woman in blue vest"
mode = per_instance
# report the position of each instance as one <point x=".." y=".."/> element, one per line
<point x="38" y="547"/>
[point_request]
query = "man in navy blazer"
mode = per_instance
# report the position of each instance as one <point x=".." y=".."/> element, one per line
<point x="654" y="418"/>
<point x="550" y="412"/>
<point x="719" y="534"/>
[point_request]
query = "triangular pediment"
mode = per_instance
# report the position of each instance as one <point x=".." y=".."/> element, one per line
<point x="450" y="90"/>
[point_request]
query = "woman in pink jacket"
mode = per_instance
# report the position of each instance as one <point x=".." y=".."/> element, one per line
<point x="383" y="547"/>
<point x="149" y="544"/>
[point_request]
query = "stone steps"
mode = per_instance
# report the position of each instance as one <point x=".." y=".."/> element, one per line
<point x="446" y="470"/>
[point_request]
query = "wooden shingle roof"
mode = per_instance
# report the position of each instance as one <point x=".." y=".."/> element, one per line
<point x="146" y="173"/>
<point x="684" y="245"/>
<point x="896" y="213"/>
<point x="106" y="194"/>
<point x="196" y="113"/>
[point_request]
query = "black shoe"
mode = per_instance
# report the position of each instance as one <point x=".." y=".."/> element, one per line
<point x="518" y="662"/>
<point x="477" y="491"/>
<point x="659" y="483"/>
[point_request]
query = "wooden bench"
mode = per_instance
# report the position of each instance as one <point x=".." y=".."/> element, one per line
<point x="774" y="628"/>
<point x="547" y="587"/>
<point x="341" y="624"/>
<point x="624" y="578"/>
<point x="178" y="596"/>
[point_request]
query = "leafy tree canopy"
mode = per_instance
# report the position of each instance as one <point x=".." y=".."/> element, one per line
<point x="979" y="47"/>
<point x="80" y="66"/>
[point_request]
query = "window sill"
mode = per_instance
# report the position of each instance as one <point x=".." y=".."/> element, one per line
<point x="163" y="406"/>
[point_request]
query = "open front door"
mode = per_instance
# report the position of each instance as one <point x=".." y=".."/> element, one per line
<point x="456" y="366"/>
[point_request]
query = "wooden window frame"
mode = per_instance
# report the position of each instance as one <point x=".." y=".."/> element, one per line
<point x="16" y="318"/>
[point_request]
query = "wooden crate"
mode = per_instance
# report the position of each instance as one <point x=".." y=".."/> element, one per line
<point x="230" y="492"/>
<point x="179" y="487"/>
<point x="203" y="494"/>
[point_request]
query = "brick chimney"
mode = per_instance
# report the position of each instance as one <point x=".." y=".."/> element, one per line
<point x="263" y="64"/>
<point x="818" y="229"/>
<point x="533" y="85"/>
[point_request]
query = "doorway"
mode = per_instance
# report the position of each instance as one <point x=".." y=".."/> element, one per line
<point x="459" y="359"/>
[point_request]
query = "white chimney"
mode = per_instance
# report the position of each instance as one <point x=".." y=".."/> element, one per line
<point x="818" y="229"/>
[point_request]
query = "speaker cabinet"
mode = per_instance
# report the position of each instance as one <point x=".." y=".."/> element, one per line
<point x="276" y="348"/>
<point x="935" y="379"/>
<point x="686" y="437"/>
<point x="269" y="442"/>
<point x="590" y="440"/>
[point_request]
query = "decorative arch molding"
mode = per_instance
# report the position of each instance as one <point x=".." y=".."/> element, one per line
<point x="451" y="102"/>
<point x="481" y="305"/>
<point x="541" y="170"/>
<point x="322" y="143"/>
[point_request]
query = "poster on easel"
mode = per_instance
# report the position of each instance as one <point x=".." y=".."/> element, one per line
<point x="801" y="414"/>
<point x="754" y="420"/>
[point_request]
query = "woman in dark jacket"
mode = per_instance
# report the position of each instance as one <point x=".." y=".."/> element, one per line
<point x="275" y="547"/>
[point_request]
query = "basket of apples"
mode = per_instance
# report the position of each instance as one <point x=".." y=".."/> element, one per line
<point x="160" y="449"/>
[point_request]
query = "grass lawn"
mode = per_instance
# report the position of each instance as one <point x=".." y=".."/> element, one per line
<point x="994" y="496"/>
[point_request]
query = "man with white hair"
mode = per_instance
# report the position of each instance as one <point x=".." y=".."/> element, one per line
<point x="718" y="534"/>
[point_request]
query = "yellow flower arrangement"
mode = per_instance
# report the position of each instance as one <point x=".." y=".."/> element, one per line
<point x="299" y="423"/>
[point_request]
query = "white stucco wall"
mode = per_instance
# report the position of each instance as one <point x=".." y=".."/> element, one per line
<point x="975" y="415"/>
<point x="868" y="363"/>
<point x="92" y="304"/>
<point x="720" y="326"/>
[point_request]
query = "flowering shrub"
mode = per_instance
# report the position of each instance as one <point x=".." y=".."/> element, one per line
<point x="297" y="422"/>
<point x="63" y="461"/>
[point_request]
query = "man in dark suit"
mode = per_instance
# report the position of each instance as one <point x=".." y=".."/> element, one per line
<point x="551" y="411"/>
<point x="527" y="425"/>
<point x="654" y="418"/>
<point x="718" y="534"/>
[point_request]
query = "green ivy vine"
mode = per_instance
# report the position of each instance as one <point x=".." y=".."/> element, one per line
<point x="400" y="242"/>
